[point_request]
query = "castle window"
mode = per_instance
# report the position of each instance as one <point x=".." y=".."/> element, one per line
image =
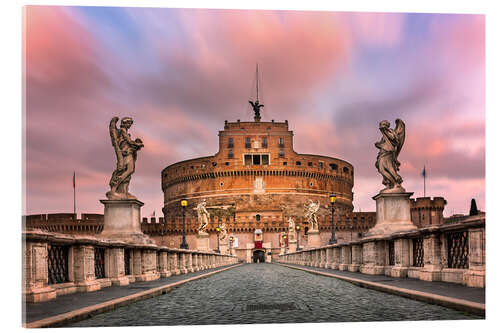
<point x="346" y="170"/>
<point x="264" y="142"/>
<point x="265" y="159"/>
<point x="298" y="163"/>
<point x="214" y="164"/>
<point x="248" y="159"/>
<point x="281" y="153"/>
<point x="230" y="154"/>
<point x="221" y="184"/>
<point x="230" y="143"/>
<point x="282" y="143"/>
<point x="311" y="184"/>
<point x="256" y="159"/>
<point x="227" y="163"/>
<point x="321" y="165"/>
<point x="257" y="218"/>
<point x="285" y="163"/>
<point x="333" y="166"/>
<point x="310" y="164"/>
<point x="248" y="142"/>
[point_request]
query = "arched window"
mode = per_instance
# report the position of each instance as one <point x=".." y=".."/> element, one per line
<point x="257" y="217"/>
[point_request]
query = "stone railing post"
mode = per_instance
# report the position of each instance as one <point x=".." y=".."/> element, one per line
<point x="136" y="263"/>
<point x="163" y="264"/>
<point x="356" y="257"/>
<point x="195" y="264"/>
<point x="183" y="262"/>
<point x="345" y="257"/>
<point x="173" y="262"/>
<point x="35" y="273"/>
<point x="336" y="258"/>
<point x="83" y="268"/>
<point x="432" y="259"/>
<point x="148" y="266"/>
<point x="373" y="257"/>
<point x="475" y="275"/>
<point x="114" y="266"/>
<point x="329" y="257"/>
<point x="401" y="257"/>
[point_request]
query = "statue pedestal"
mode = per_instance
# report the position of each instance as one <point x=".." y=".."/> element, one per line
<point x="122" y="221"/>
<point x="393" y="214"/>
<point x="202" y="243"/>
<point x="292" y="246"/>
<point x="224" y="249"/>
<point x="313" y="239"/>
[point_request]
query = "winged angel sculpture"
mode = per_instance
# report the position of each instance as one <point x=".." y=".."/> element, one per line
<point x="126" y="155"/>
<point x="310" y="211"/>
<point x="387" y="160"/>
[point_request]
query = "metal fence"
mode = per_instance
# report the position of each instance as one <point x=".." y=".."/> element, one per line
<point x="57" y="257"/>
<point x="99" y="262"/>
<point x="458" y="249"/>
<point x="418" y="252"/>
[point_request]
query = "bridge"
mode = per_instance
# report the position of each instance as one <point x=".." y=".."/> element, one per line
<point x="81" y="280"/>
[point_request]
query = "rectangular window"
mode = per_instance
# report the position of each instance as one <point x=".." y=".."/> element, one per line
<point x="298" y="163"/>
<point x="230" y="143"/>
<point x="265" y="159"/>
<point x="282" y="143"/>
<point x="321" y="165"/>
<point x="310" y="164"/>
<point x="264" y="142"/>
<point x="256" y="159"/>
<point x="230" y="154"/>
<point x="247" y="143"/>
<point x="281" y="153"/>
<point x="248" y="159"/>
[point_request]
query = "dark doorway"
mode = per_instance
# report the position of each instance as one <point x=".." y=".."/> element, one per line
<point x="259" y="256"/>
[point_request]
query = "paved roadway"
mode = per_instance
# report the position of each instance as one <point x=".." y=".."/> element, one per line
<point x="267" y="293"/>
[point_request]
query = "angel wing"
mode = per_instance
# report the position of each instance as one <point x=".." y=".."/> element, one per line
<point x="399" y="130"/>
<point x="113" y="132"/>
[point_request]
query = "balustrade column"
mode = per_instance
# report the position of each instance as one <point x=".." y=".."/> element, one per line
<point x="356" y="257"/>
<point x="35" y="273"/>
<point x="345" y="258"/>
<point x="83" y="268"/>
<point x="196" y="264"/>
<point x="183" y="262"/>
<point x="163" y="267"/>
<point x="401" y="257"/>
<point x="329" y="257"/>
<point x="336" y="258"/>
<point x="114" y="266"/>
<point x="173" y="263"/>
<point x="136" y="269"/>
<point x="373" y="258"/>
<point x="475" y="275"/>
<point x="432" y="259"/>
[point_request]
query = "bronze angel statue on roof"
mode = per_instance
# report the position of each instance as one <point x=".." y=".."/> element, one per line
<point x="387" y="159"/>
<point x="126" y="155"/>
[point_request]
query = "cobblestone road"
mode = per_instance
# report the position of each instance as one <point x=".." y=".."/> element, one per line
<point x="266" y="293"/>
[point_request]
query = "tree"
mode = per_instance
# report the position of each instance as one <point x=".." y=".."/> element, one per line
<point x="473" y="208"/>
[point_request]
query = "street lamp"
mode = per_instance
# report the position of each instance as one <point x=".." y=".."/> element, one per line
<point x="284" y="241"/>
<point x="297" y="227"/>
<point x="218" y="246"/>
<point x="184" y="244"/>
<point x="332" y="202"/>
<point x="231" y="240"/>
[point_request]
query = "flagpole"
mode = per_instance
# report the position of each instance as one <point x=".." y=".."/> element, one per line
<point x="74" y="196"/>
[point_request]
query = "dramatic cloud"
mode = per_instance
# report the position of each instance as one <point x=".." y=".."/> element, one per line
<point x="181" y="72"/>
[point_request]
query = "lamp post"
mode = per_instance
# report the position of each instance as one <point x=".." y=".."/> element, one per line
<point x="184" y="244"/>
<point x="284" y="241"/>
<point x="297" y="227"/>
<point x="231" y="240"/>
<point x="218" y="246"/>
<point x="332" y="202"/>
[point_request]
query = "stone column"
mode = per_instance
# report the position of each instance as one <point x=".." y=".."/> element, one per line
<point x="345" y="254"/>
<point x="432" y="259"/>
<point x="136" y="264"/>
<point x="356" y="257"/>
<point x="114" y="266"/>
<point x="163" y="264"/>
<point x="336" y="258"/>
<point x="373" y="258"/>
<point x="196" y="263"/>
<point x="83" y="268"/>
<point x="401" y="257"/>
<point x="329" y="257"/>
<point x="475" y="275"/>
<point x="35" y="273"/>
<point x="173" y="261"/>
<point x="183" y="262"/>
<point x="148" y="266"/>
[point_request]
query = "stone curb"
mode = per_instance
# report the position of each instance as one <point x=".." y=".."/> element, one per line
<point x="89" y="311"/>
<point x="449" y="302"/>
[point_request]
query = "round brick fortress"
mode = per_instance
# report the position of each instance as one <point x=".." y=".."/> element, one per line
<point x="256" y="174"/>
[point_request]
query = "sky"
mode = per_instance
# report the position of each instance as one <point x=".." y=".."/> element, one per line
<point x="179" y="73"/>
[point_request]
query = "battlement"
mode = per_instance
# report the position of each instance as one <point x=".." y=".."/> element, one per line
<point x="426" y="211"/>
<point x="428" y="202"/>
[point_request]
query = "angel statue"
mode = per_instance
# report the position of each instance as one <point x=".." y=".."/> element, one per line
<point x="310" y="214"/>
<point x="203" y="216"/>
<point x="223" y="232"/>
<point x="256" y="109"/>
<point x="387" y="159"/>
<point x="291" y="225"/>
<point x="126" y="155"/>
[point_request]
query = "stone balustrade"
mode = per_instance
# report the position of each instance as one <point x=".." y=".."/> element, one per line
<point x="56" y="264"/>
<point x="450" y="253"/>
